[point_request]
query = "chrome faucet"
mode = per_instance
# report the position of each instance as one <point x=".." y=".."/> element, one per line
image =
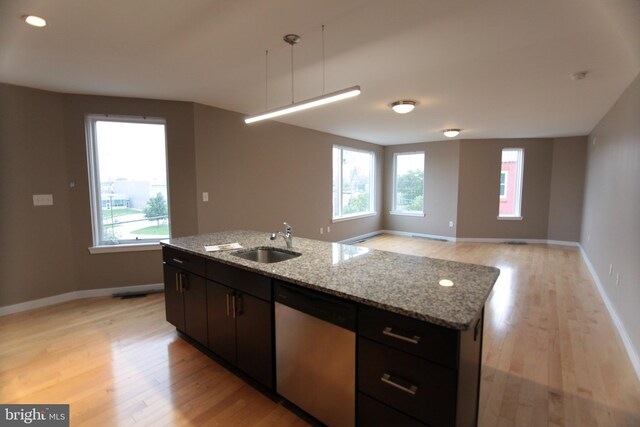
<point x="287" y="235"/>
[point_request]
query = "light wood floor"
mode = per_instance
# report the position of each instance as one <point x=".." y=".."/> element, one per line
<point x="551" y="354"/>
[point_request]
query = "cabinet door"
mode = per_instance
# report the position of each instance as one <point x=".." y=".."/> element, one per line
<point x="221" y="320"/>
<point x="195" y="307"/>
<point x="254" y="339"/>
<point x="173" y="300"/>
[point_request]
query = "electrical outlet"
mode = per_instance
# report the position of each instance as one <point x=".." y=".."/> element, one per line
<point x="450" y="223"/>
<point x="617" y="278"/>
<point x="42" y="199"/>
<point x="321" y="231"/>
<point x="610" y="269"/>
<point x="328" y="229"/>
<point x="205" y="196"/>
<point x="588" y="237"/>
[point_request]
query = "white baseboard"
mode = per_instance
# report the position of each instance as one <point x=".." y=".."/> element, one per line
<point x="459" y="239"/>
<point x="70" y="296"/>
<point x="622" y="331"/>
<point x="360" y="237"/>
<point x="424" y="236"/>
<point x="528" y="241"/>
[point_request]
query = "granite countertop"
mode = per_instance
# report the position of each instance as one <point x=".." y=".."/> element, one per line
<point x="403" y="284"/>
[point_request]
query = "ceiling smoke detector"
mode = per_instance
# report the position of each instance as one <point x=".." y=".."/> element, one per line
<point x="579" y="75"/>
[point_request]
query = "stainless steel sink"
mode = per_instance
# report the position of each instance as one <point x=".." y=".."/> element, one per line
<point x="266" y="254"/>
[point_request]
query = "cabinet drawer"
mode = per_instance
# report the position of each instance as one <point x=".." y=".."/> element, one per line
<point x="412" y="385"/>
<point x="183" y="260"/>
<point x="423" y="339"/>
<point x="239" y="279"/>
<point x="372" y="413"/>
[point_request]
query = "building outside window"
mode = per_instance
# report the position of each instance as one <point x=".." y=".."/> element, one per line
<point x="353" y="182"/>
<point x="503" y="184"/>
<point x="511" y="171"/>
<point x="408" y="183"/>
<point x="128" y="179"/>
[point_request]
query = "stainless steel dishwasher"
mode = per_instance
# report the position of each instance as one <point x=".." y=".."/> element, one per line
<point x="316" y="353"/>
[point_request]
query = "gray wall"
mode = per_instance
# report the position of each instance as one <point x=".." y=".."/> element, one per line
<point x="128" y="268"/>
<point x="611" y="221"/>
<point x="36" y="249"/>
<point x="479" y="182"/>
<point x="42" y="148"/>
<point x="552" y="189"/>
<point x="440" y="189"/>
<point x="256" y="176"/>
<point x="567" y="188"/>
<point x="261" y="175"/>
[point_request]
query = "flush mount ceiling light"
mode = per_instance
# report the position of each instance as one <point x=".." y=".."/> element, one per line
<point x="34" y="20"/>
<point x="293" y="39"/>
<point x="451" y="133"/>
<point x="403" y="107"/>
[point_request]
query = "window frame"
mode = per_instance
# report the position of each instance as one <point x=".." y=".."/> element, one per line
<point x="519" y="182"/>
<point x="372" y="186"/>
<point x="93" y="170"/>
<point x="394" y="202"/>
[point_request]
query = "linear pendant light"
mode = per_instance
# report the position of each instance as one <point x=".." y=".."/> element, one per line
<point x="303" y="105"/>
<point x="339" y="95"/>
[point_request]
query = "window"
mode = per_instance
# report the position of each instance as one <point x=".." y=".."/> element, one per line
<point x="503" y="184"/>
<point x="511" y="183"/>
<point x="408" y="183"/>
<point x="128" y="180"/>
<point x="353" y="182"/>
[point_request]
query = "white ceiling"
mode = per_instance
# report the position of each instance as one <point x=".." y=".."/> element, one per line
<point x="495" y="68"/>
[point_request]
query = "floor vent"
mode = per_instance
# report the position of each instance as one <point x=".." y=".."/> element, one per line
<point x="364" y="239"/>
<point x="430" y="238"/>
<point x="512" y="242"/>
<point x="135" y="294"/>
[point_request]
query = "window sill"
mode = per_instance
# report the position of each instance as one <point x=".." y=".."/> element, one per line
<point x="347" y="218"/>
<point x="400" y="213"/>
<point x="510" y="218"/>
<point x="134" y="247"/>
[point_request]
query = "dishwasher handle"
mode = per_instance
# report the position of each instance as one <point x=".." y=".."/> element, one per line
<point x="325" y="307"/>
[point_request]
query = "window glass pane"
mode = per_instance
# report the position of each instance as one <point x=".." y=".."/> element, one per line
<point x="409" y="182"/>
<point x="130" y="174"/>
<point x="511" y="182"/>
<point x="337" y="160"/>
<point x="352" y="182"/>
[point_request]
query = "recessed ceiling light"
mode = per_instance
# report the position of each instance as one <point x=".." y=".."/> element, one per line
<point x="34" y="20"/>
<point x="451" y="133"/>
<point x="403" y="107"/>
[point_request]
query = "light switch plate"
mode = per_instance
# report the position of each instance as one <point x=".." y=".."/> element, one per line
<point x="42" y="199"/>
<point x="205" y="196"/>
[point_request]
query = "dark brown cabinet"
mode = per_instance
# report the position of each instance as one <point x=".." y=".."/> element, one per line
<point x="239" y="318"/>
<point x="185" y="294"/>
<point x="415" y="372"/>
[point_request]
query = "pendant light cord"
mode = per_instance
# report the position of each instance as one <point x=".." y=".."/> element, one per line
<point x="323" y="59"/>
<point x="292" y="73"/>
<point x="266" y="79"/>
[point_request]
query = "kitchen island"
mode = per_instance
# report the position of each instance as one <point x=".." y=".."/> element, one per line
<point x="419" y="343"/>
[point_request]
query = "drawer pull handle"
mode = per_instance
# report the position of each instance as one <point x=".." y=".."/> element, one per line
<point x="389" y="332"/>
<point x="412" y="389"/>
<point x="179" y="261"/>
